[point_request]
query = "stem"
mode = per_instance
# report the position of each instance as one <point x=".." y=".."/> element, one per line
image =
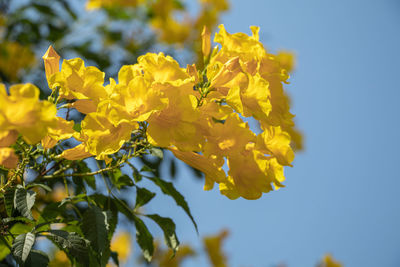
<point x="56" y="175"/>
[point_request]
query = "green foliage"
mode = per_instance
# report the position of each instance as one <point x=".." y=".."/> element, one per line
<point x="144" y="238"/>
<point x="95" y="227"/>
<point x="168" y="227"/>
<point x="169" y="189"/>
<point x="23" y="201"/>
<point x="22" y="246"/>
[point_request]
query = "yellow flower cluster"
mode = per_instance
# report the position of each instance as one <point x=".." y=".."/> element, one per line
<point x="21" y="112"/>
<point x="242" y="80"/>
<point x="198" y="115"/>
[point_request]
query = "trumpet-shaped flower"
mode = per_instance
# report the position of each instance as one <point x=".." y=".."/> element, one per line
<point x="105" y="131"/>
<point x="62" y="130"/>
<point x="210" y="166"/>
<point x="228" y="138"/>
<point x="274" y="141"/>
<point x="79" y="82"/>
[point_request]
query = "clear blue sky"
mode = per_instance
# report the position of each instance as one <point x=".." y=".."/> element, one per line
<point x="342" y="195"/>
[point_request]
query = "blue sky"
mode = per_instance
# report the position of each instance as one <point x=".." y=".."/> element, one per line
<point x="343" y="193"/>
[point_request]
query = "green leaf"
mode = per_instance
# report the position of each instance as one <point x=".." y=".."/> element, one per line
<point x="9" y="200"/>
<point x="95" y="227"/>
<point x="50" y="213"/>
<point x="22" y="245"/>
<point x="124" y="208"/>
<point x="72" y="243"/>
<point x="136" y="174"/>
<point x="23" y="201"/>
<point x="146" y="168"/>
<point x="77" y="127"/>
<point x="172" y="168"/>
<point x="121" y="180"/>
<point x="16" y="219"/>
<point x="157" y="152"/>
<point x="20" y="228"/>
<point x="169" y="189"/>
<point x="144" y="238"/>
<point x="114" y="257"/>
<point x="5" y="244"/>
<point x="89" y="179"/>
<point x="143" y="196"/>
<point x="37" y="258"/>
<point x="169" y="228"/>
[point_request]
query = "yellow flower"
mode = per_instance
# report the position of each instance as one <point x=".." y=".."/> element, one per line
<point x="170" y="30"/>
<point x="175" y="124"/>
<point x="105" y="131"/>
<point x="79" y="82"/>
<point x="217" y="4"/>
<point x="213" y="247"/>
<point x="51" y="62"/>
<point x="248" y="174"/>
<point x="76" y="153"/>
<point x="329" y="261"/>
<point x="168" y="259"/>
<point x="228" y="138"/>
<point x="247" y="48"/>
<point x="8" y="158"/>
<point x="274" y="141"/>
<point x="161" y="69"/>
<point x="95" y="4"/>
<point x="60" y="260"/>
<point x="287" y="60"/>
<point x="210" y="166"/>
<point x="22" y="111"/>
<point x="141" y="100"/>
<point x="121" y="244"/>
<point x="226" y="73"/>
<point x="62" y="130"/>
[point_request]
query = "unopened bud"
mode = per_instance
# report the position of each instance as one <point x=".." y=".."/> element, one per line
<point x="51" y="62"/>
<point x="206" y="41"/>
<point x="192" y="71"/>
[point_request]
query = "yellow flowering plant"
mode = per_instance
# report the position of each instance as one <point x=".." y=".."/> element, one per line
<point x="199" y="113"/>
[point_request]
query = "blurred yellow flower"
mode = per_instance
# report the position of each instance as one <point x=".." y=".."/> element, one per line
<point x="121" y="244"/>
<point x="60" y="260"/>
<point x="8" y="158"/>
<point x="62" y="130"/>
<point x="329" y="261"/>
<point x="213" y="247"/>
<point x="7" y="138"/>
<point x="13" y="58"/>
<point x="23" y="112"/>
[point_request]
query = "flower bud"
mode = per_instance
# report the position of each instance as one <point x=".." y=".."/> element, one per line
<point x="51" y="62"/>
<point x="206" y="41"/>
